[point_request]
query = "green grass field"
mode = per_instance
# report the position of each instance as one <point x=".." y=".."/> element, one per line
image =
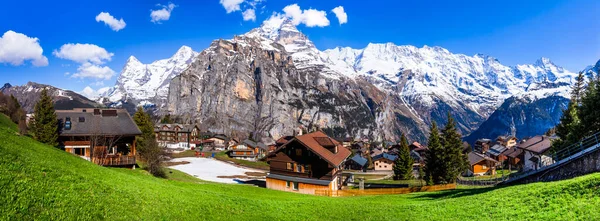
<point x="39" y="182"/>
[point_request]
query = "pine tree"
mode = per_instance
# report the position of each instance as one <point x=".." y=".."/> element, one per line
<point x="403" y="163"/>
<point x="44" y="125"/>
<point x="148" y="148"/>
<point x="588" y="113"/>
<point x="455" y="162"/>
<point x="434" y="157"/>
<point x="578" y="89"/>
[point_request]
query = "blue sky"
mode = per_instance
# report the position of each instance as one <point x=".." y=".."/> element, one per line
<point x="515" y="32"/>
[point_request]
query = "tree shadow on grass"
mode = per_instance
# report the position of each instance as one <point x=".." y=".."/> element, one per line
<point x="454" y="193"/>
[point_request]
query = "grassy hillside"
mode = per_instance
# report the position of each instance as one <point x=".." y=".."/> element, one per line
<point x="42" y="182"/>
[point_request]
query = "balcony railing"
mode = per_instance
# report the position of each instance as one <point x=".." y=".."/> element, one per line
<point x="114" y="160"/>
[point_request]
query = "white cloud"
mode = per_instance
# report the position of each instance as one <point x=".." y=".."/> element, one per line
<point x="82" y="53"/>
<point x="111" y="21"/>
<point x="16" y="48"/>
<point x="340" y="14"/>
<point x="93" y="94"/>
<point x="249" y="14"/>
<point x="89" y="70"/>
<point x="162" y="14"/>
<point x="310" y="17"/>
<point x="231" y="5"/>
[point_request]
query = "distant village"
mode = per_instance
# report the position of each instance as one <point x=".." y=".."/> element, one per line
<point x="300" y="162"/>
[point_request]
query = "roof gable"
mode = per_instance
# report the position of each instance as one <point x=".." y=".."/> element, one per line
<point x="308" y="141"/>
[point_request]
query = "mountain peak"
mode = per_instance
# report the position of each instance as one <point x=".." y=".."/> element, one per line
<point x="184" y="49"/>
<point x="544" y="62"/>
<point x="6" y="86"/>
<point x="133" y="59"/>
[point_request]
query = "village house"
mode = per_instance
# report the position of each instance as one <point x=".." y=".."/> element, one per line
<point x="514" y="156"/>
<point x="497" y="152"/>
<point x="248" y="150"/>
<point x="219" y="141"/>
<point x="535" y="152"/>
<point x="481" y="164"/>
<point x="346" y="142"/>
<point x="307" y="163"/>
<point x="419" y="148"/>
<point x="357" y="162"/>
<point x="384" y="161"/>
<point x="103" y="136"/>
<point x="482" y="145"/>
<point x="507" y="141"/>
<point x="373" y="153"/>
<point x="177" y="136"/>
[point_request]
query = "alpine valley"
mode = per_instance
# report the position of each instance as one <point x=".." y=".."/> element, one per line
<point x="272" y="81"/>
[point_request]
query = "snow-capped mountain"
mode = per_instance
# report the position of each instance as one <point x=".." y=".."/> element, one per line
<point x="147" y="84"/>
<point x="277" y="79"/>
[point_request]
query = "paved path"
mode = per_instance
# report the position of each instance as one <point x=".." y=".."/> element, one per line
<point x="209" y="169"/>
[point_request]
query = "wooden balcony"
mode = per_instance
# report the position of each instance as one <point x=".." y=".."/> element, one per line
<point x="114" y="160"/>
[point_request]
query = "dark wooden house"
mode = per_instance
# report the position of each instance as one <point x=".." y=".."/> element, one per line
<point x="307" y="163"/>
<point x="103" y="136"/>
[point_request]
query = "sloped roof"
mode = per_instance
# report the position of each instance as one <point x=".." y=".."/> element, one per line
<point x="359" y="160"/>
<point x="477" y="157"/>
<point x="513" y="152"/>
<point x="376" y="152"/>
<point x="309" y="141"/>
<point x="497" y="149"/>
<point x="386" y="156"/>
<point x="251" y="143"/>
<point x="538" y="144"/>
<point x="283" y="140"/>
<point x="118" y="125"/>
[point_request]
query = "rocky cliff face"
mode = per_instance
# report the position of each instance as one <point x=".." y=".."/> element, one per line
<point x="29" y="94"/>
<point x="249" y="86"/>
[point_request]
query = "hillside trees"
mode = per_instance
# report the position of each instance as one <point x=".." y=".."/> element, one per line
<point x="44" y="125"/>
<point x="581" y="118"/>
<point x="11" y="107"/>
<point x="148" y="148"/>
<point x="404" y="163"/>
<point x="444" y="160"/>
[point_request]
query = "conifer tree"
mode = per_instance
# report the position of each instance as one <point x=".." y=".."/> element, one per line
<point x="148" y="147"/>
<point x="404" y="163"/>
<point x="434" y="157"/>
<point x="44" y="125"/>
<point x="589" y="114"/>
<point x="455" y="162"/>
<point x="578" y="89"/>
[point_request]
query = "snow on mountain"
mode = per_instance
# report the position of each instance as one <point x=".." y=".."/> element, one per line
<point x="146" y="83"/>
<point x="479" y="81"/>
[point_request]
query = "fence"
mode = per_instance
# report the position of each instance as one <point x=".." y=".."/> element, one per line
<point x="384" y="191"/>
<point x="482" y="182"/>
<point x="114" y="160"/>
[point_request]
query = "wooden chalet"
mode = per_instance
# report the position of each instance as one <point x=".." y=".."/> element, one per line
<point x="307" y="163"/>
<point x="248" y="150"/>
<point x="384" y="161"/>
<point x="535" y="152"/>
<point x="357" y="162"/>
<point x="481" y="164"/>
<point x="177" y="136"/>
<point x="103" y="136"/>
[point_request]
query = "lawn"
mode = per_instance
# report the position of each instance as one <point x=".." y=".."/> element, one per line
<point x="499" y="174"/>
<point x="39" y="182"/>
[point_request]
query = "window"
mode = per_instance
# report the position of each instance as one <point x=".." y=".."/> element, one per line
<point x="287" y="184"/>
<point x="295" y="185"/>
<point x="484" y="167"/>
<point x="299" y="168"/>
<point x="289" y="166"/>
<point x="385" y="166"/>
<point x="299" y="152"/>
<point x="81" y="119"/>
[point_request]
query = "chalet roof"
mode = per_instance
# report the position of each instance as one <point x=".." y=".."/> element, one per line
<point x="283" y="140"/>
<point x="497" y="149"/>
<point x="376" y="152"/>
<point x="316" y="145"/>
<point x="386" y="156"/>
<point x="251" y="143"/>
<point x="359" y="160"/>
<point x="475" y="158"/>
<point x="416" y="156"/>
<point x="113" y="122"/>
<point x="538" y="144"/>
<point x="513" y="152"/>
<point x="483" y="140"/>
<point x="171" y="127"/>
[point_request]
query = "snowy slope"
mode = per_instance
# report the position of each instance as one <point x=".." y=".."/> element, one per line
<point x="147" y="83"/>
